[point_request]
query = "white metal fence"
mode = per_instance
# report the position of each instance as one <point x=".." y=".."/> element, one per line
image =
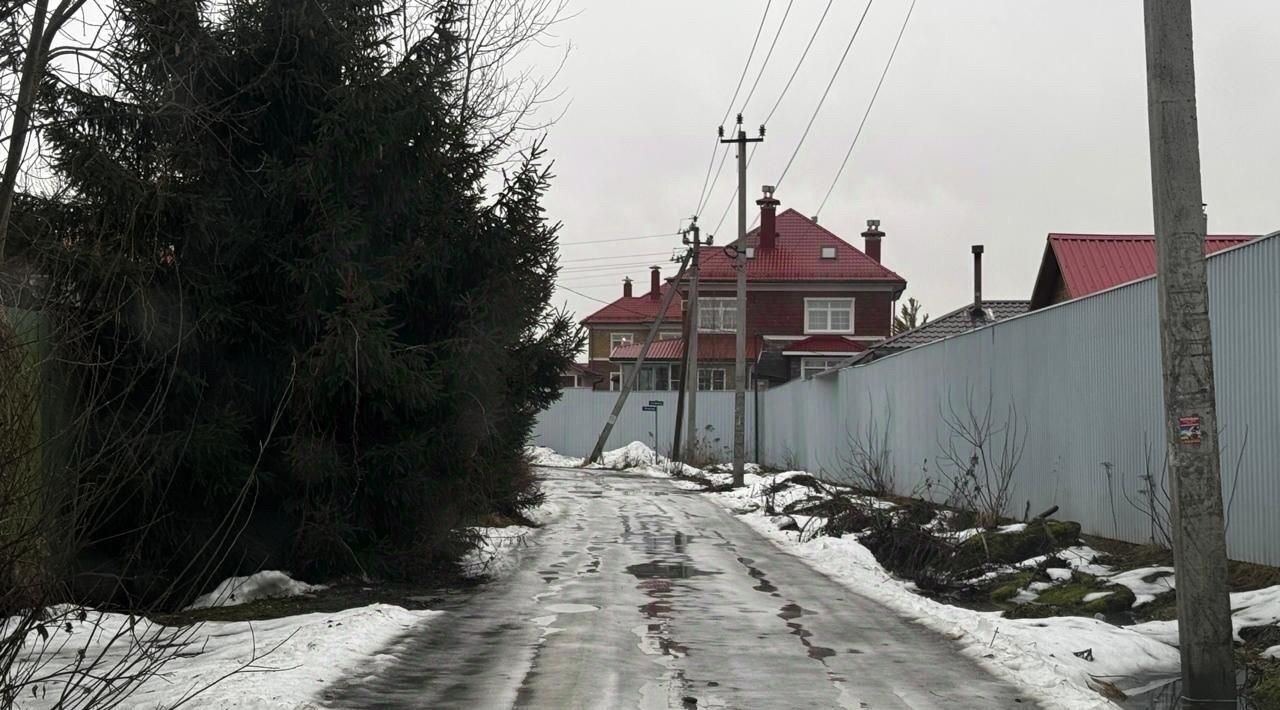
<point x="572" y="425"/>
<point x="1084" y="378"/>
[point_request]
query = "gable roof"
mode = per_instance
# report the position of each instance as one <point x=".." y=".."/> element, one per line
<point x="796" y="256"/>
<point x="1089" y="263"/>
<point x="637" y="309"/>
<point x="953" y="323"/>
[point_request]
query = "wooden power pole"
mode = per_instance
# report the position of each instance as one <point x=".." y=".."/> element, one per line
<point x="630" y="382"/>
<point x="740" y="329"/>
<point x="1191" y="422"/>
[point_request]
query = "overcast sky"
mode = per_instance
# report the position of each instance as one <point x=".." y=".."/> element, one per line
<point x="1000" y="121"/>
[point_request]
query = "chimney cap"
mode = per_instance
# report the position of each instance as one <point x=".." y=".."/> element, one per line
<point x="768" y="190"/>
<point x="873" y="224"/>
<point x="977" y="248"/>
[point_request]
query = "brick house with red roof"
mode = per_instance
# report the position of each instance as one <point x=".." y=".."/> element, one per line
<point x="1076" y="265"/>
<point x="813" y="299"/>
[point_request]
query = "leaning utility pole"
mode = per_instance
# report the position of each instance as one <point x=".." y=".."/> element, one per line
<point x="1191" y="422"/>
<point x="635" y="370"/>
<point x="691" y="346"/>
<point x="740" y="329"/>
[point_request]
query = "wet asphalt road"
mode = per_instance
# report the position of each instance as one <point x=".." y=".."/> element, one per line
<point x="643" y="596"/>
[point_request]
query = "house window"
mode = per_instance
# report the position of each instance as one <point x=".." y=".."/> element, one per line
<point x="828" y="315"/>
<point x="616" y="339"/>
<point x="828" y="252"/>
<point x="717" y="315"/>
<point x="615" y="381"/>
<point x="660" y="377"/>
<point x="669" y="335"/>
<point x="811" y="366"/>
<point x="711" y="378"/>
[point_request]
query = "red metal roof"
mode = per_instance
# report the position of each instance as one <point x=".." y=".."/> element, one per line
<point x="1095" y="262"/>
<point x="797" y="257"/>
<point x="711" y="347"/>
<point x="637" y="309"/>
<point x="833" y="344"/>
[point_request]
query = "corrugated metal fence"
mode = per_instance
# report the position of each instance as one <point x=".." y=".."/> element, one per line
<point x="1084" y="380"/>
<point x="572" y="425"/>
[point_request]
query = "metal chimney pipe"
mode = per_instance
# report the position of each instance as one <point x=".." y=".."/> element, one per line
<point x="977" y="279"/>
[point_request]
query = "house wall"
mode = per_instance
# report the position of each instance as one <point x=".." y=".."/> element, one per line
<point x="598" y="337"/>
<point x="782" y="312"/>
<point x="1082" y="381"/>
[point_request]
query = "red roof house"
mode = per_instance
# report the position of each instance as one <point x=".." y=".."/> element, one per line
<point x="1076" y="265"/>
<point x="812" y="299"/>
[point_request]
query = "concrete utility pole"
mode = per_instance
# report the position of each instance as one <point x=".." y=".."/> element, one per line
<point x="1191" y="422"/>
<point x="740" y="341"/>
<point x="691" y="345"/>
<point x="635" y="371"/>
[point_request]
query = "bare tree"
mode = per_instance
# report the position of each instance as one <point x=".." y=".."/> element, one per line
<point x="866" y="460"/>
<point x="980" y="456"/>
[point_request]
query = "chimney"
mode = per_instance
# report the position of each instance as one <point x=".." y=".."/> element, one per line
<point x="977" y="281"/>
<point x="655" y="282"/>
<point x="626" y="287"/>
<point x="768" y="219"/>
<point x="872" y="238"/>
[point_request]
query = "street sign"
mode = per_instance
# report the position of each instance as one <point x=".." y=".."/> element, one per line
<point x="650" y="409"/>
<point x="656" y="403"/>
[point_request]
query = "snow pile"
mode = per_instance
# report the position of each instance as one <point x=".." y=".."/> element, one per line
<point x="543" y="456"/>
<point x="221" y="664"/>
<point x="1146" y="582"/>
<point x="268" y="584"/>
<point x="1260" y="607"/>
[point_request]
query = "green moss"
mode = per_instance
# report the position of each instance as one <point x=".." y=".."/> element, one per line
<point x="1009" y="588"/>
<point x="1265" y="694"/>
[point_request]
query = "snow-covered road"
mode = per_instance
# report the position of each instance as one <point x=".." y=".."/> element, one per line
<point x="640" y="595"/>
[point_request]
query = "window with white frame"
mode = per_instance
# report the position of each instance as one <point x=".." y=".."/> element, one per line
<point x="711" y="378"/>
<point x="616" y="339"/>
<point x="811" y="366"/>
<point x="717" y="315"/>
<point x="660" y="377"/>
<point x="615" y="381"/>
<point x="828" y="315"/>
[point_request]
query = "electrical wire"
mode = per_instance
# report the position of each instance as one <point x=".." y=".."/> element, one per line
<point x="745" y="67"/>
<point x="617" y="256"/>
<point x="825" y="93"/>
<point x="767" y="56"/>
<point x="607" y="303"/>
<point x="870" y="104"/>
<point x="620" y="239"/>
<point x="733" y="198"/>
<point x="795" y="71"/>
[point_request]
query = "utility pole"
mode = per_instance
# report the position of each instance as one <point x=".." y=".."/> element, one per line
<point x="740" y="341"/>
<point x="635" y="371"/>
<point x="1191" y="422"/>
<point x="691" y="343"/>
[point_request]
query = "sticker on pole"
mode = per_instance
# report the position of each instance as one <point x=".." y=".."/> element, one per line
<point x="1189" y="430"/>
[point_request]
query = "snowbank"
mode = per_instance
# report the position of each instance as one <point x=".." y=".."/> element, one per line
<point x="268" y="584"/>
<point x="498" y="551"/>
<point x="278" y="664"/>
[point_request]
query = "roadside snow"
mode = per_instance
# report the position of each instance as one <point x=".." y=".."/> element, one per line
<point x="1273" y="652"/>
<point x="543" y="456"/>
<point x="1260" y="607"/>
<point x="268" y="584"/>
<point x="498" y="551"/>
<point x="1146" y="582"/>
<point x="300" y="655"/>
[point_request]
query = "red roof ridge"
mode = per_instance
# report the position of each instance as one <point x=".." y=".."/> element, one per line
<point x="1141" y="237"/>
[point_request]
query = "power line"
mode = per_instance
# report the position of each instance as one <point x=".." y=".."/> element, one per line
<point x="617" y="256"/>
<point x="795" y="71"/>
<point x="607" y="303"/>
<point x="620" y="239"/>
<point x="871" y="103"/>
<point x="733" y="197"/>
<point x="707" y="194"/>
<point x="610" y="268"/>
<point x="767" y="56"/>
<point x="827" y="91"/>
<point x="745" y="67"/>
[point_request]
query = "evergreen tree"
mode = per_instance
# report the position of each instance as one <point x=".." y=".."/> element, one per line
<point x="324" y="332"/>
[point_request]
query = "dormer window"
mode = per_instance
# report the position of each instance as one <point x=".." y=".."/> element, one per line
<point x="828" y="252"/>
